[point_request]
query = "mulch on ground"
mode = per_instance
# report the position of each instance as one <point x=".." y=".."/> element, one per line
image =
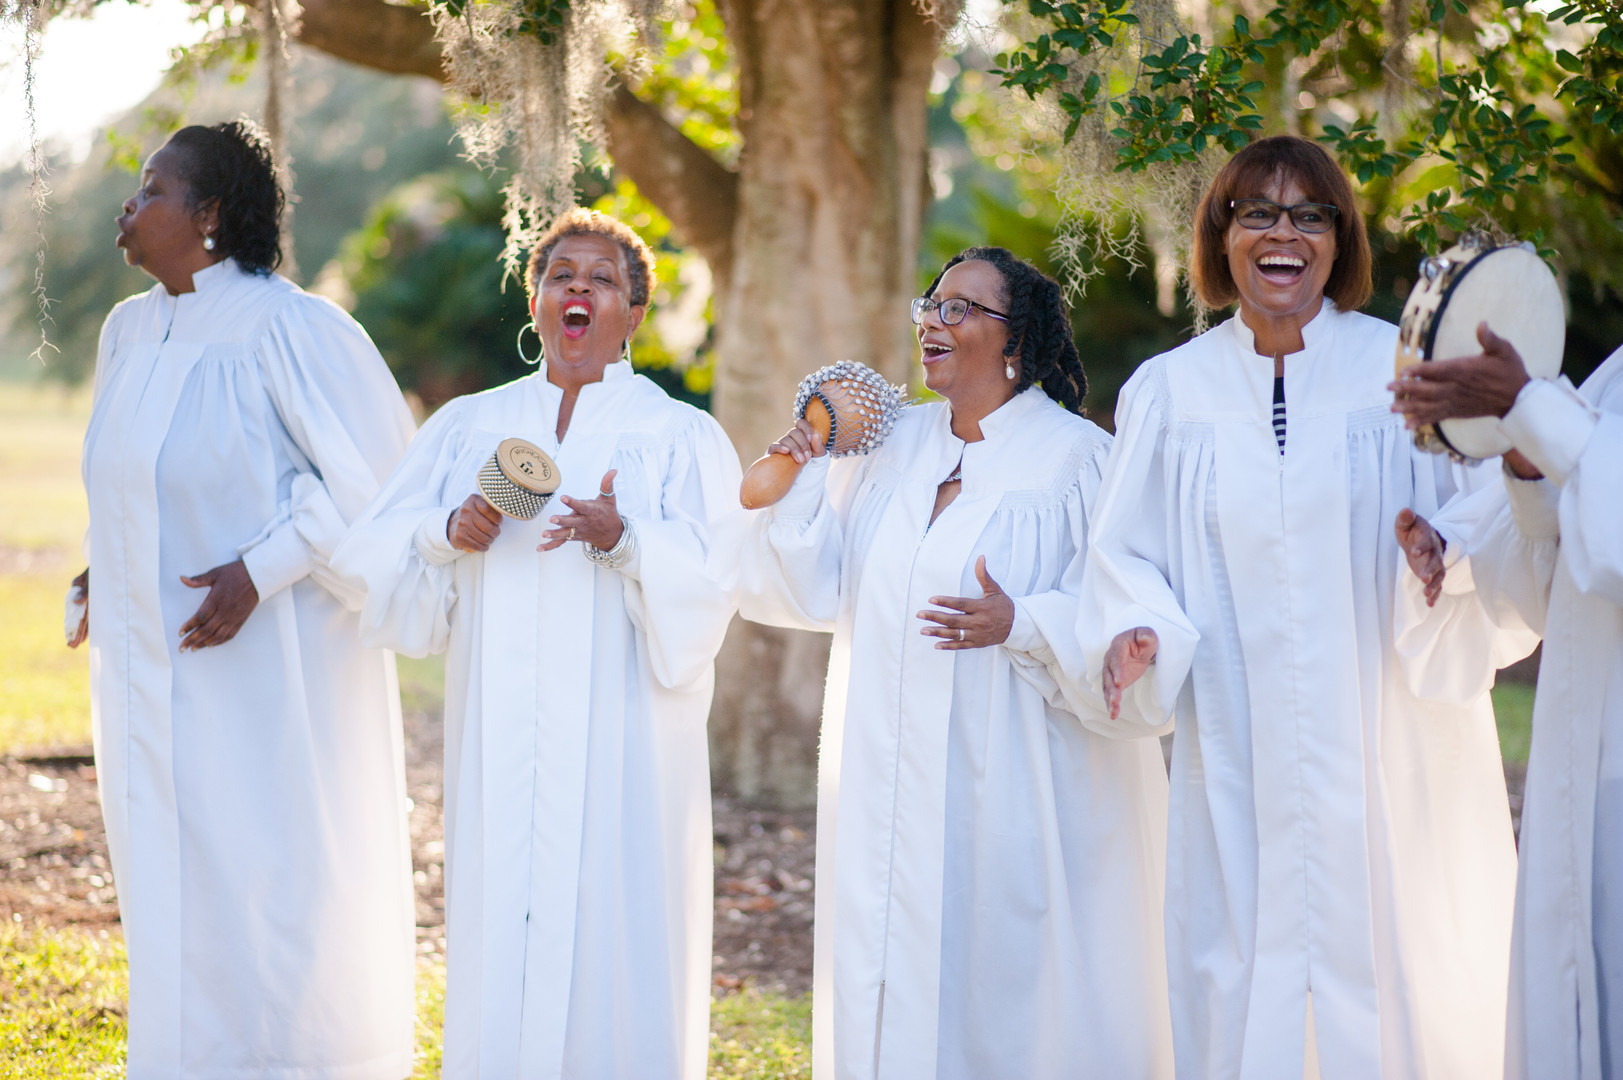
<point x="54" y="867"/>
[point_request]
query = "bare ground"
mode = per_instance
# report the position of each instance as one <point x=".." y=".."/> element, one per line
<point x="54" y="868"/>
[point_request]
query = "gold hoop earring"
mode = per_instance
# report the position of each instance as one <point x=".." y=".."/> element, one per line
<point x="540" y="354"/>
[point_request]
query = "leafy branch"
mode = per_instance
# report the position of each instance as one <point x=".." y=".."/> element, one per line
<point x="1500" y="117"/>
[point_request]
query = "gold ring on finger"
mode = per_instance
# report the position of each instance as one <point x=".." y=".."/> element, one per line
<point x="960" y="633"/>
<point x="571" y="534"/>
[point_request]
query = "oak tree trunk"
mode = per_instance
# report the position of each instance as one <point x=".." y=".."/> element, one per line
<point x="830" y="207"/>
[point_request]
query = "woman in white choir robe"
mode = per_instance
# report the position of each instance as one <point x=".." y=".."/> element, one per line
<point x="988" y="855"/>
<point x="1547" y="552"/>
<point x="1340" y="868"/>
<point x="580" y="650"/>
<point x="248" y="747"/>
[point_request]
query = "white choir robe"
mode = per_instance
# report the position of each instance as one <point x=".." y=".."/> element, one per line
<point x="988" y="861"/>
<point x="577" y="795"/>
<point x="1339" y="825"/>
<point x="254" y="792"/>
<point x="1549" y="554"/>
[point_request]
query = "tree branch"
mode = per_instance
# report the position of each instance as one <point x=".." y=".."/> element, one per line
<point x="692" y="188"/>
<point x="689" y="186"/>
<point x="387" y="37"/>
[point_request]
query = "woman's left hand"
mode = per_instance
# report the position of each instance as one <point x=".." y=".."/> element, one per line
<point x="972" y="624"/>
<point x="232" y="598"/>
<point x="594" y="521"/>
<point x="1424" y="550"/>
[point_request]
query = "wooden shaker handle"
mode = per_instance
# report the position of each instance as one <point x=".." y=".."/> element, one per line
<point x="770" y="478"/>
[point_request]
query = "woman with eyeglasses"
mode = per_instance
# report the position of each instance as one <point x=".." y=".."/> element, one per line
<point x="1341" y="868"/>
<point x="989" y="854"/>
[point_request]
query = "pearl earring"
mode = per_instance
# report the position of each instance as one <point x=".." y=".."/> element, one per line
<point x="208" y="242"/>
<point x="1008" y="371"/>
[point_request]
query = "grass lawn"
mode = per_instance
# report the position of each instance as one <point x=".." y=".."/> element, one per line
<point x="1513" y="709"/>
<point x="62" y="1015"/>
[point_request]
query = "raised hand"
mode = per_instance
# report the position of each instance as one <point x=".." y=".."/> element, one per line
<point x="231" y="599"/>
<point x="474" y="525"/>
<point x="1481" y="385"/>
<point x="1424" y="550"/>
<point x="1130" y="655"/>
<point x="593" y="521"/>
<point x="971" y="623"/>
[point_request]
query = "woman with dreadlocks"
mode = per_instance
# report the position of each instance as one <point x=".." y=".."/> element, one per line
<point x="989" y="854"/>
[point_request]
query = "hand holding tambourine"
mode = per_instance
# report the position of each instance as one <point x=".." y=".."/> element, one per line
<point x="844" y="408"/>
<point x="1481" y="320"/>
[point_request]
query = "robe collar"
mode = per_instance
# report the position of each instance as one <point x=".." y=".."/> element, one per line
<point x="982" y="460"/>
<point x="615" y="372"/>
<point x="1316" y="332"/>
<point x="209" y="279"/>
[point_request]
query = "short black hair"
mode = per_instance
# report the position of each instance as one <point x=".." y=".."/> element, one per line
<point x="578" y="221"/>
<point x="231" y="165"/>
<point x="1039" y="328"/>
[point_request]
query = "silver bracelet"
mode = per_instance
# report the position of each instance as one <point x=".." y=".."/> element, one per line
<point x="621" y="553"/>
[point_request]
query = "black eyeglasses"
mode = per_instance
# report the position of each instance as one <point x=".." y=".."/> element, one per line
<point x="952" y="310"/>
<point x="1309" y="217"/>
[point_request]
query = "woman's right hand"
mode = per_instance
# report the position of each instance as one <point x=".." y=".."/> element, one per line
<point x="801" y="442"/>
<point x="82" y="584"/>
<point x="1130" y="655"/>
<point x="474" y="525"/>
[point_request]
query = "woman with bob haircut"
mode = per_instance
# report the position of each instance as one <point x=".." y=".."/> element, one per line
<point x="1340" y="862"/>
<point x="579" y="664"/>
<point x="248" y="748"/>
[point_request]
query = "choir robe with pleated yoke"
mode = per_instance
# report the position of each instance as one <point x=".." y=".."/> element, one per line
<point x="577" y="797"/>
<point x="1548" y="554"/>
<point x="1340" y="862"/>
<point x="989" y="857"/>
<point x="254" y="791"/>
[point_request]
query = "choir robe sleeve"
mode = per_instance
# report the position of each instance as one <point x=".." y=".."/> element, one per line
<point x="1450" y="651"/>
<point x="1127" y="581"/>
<point x="398" y="555"/>
<point x="680" y="584"/>
<point x="340" y="405"/>
<point x="1043" y="643"/>
<point x="790" y="566"/>
<point x="1577" y="442"/>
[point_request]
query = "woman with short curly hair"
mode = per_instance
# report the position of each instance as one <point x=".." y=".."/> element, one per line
<point x="988" y="863"/>
<point x="247" y="746"/>
<point x="579" y="651"/>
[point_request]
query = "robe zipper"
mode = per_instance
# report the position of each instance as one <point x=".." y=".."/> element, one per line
<point x="895" y="788"/>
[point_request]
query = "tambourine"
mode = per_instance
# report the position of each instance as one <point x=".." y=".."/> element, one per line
<point x="1512" y="290"/>
<point x="849" y="404"/>
<point x="519" y="479"/>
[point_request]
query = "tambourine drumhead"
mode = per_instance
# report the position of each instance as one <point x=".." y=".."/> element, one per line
<point x="1516" y="294"/>
<point x="519" y="479"/>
